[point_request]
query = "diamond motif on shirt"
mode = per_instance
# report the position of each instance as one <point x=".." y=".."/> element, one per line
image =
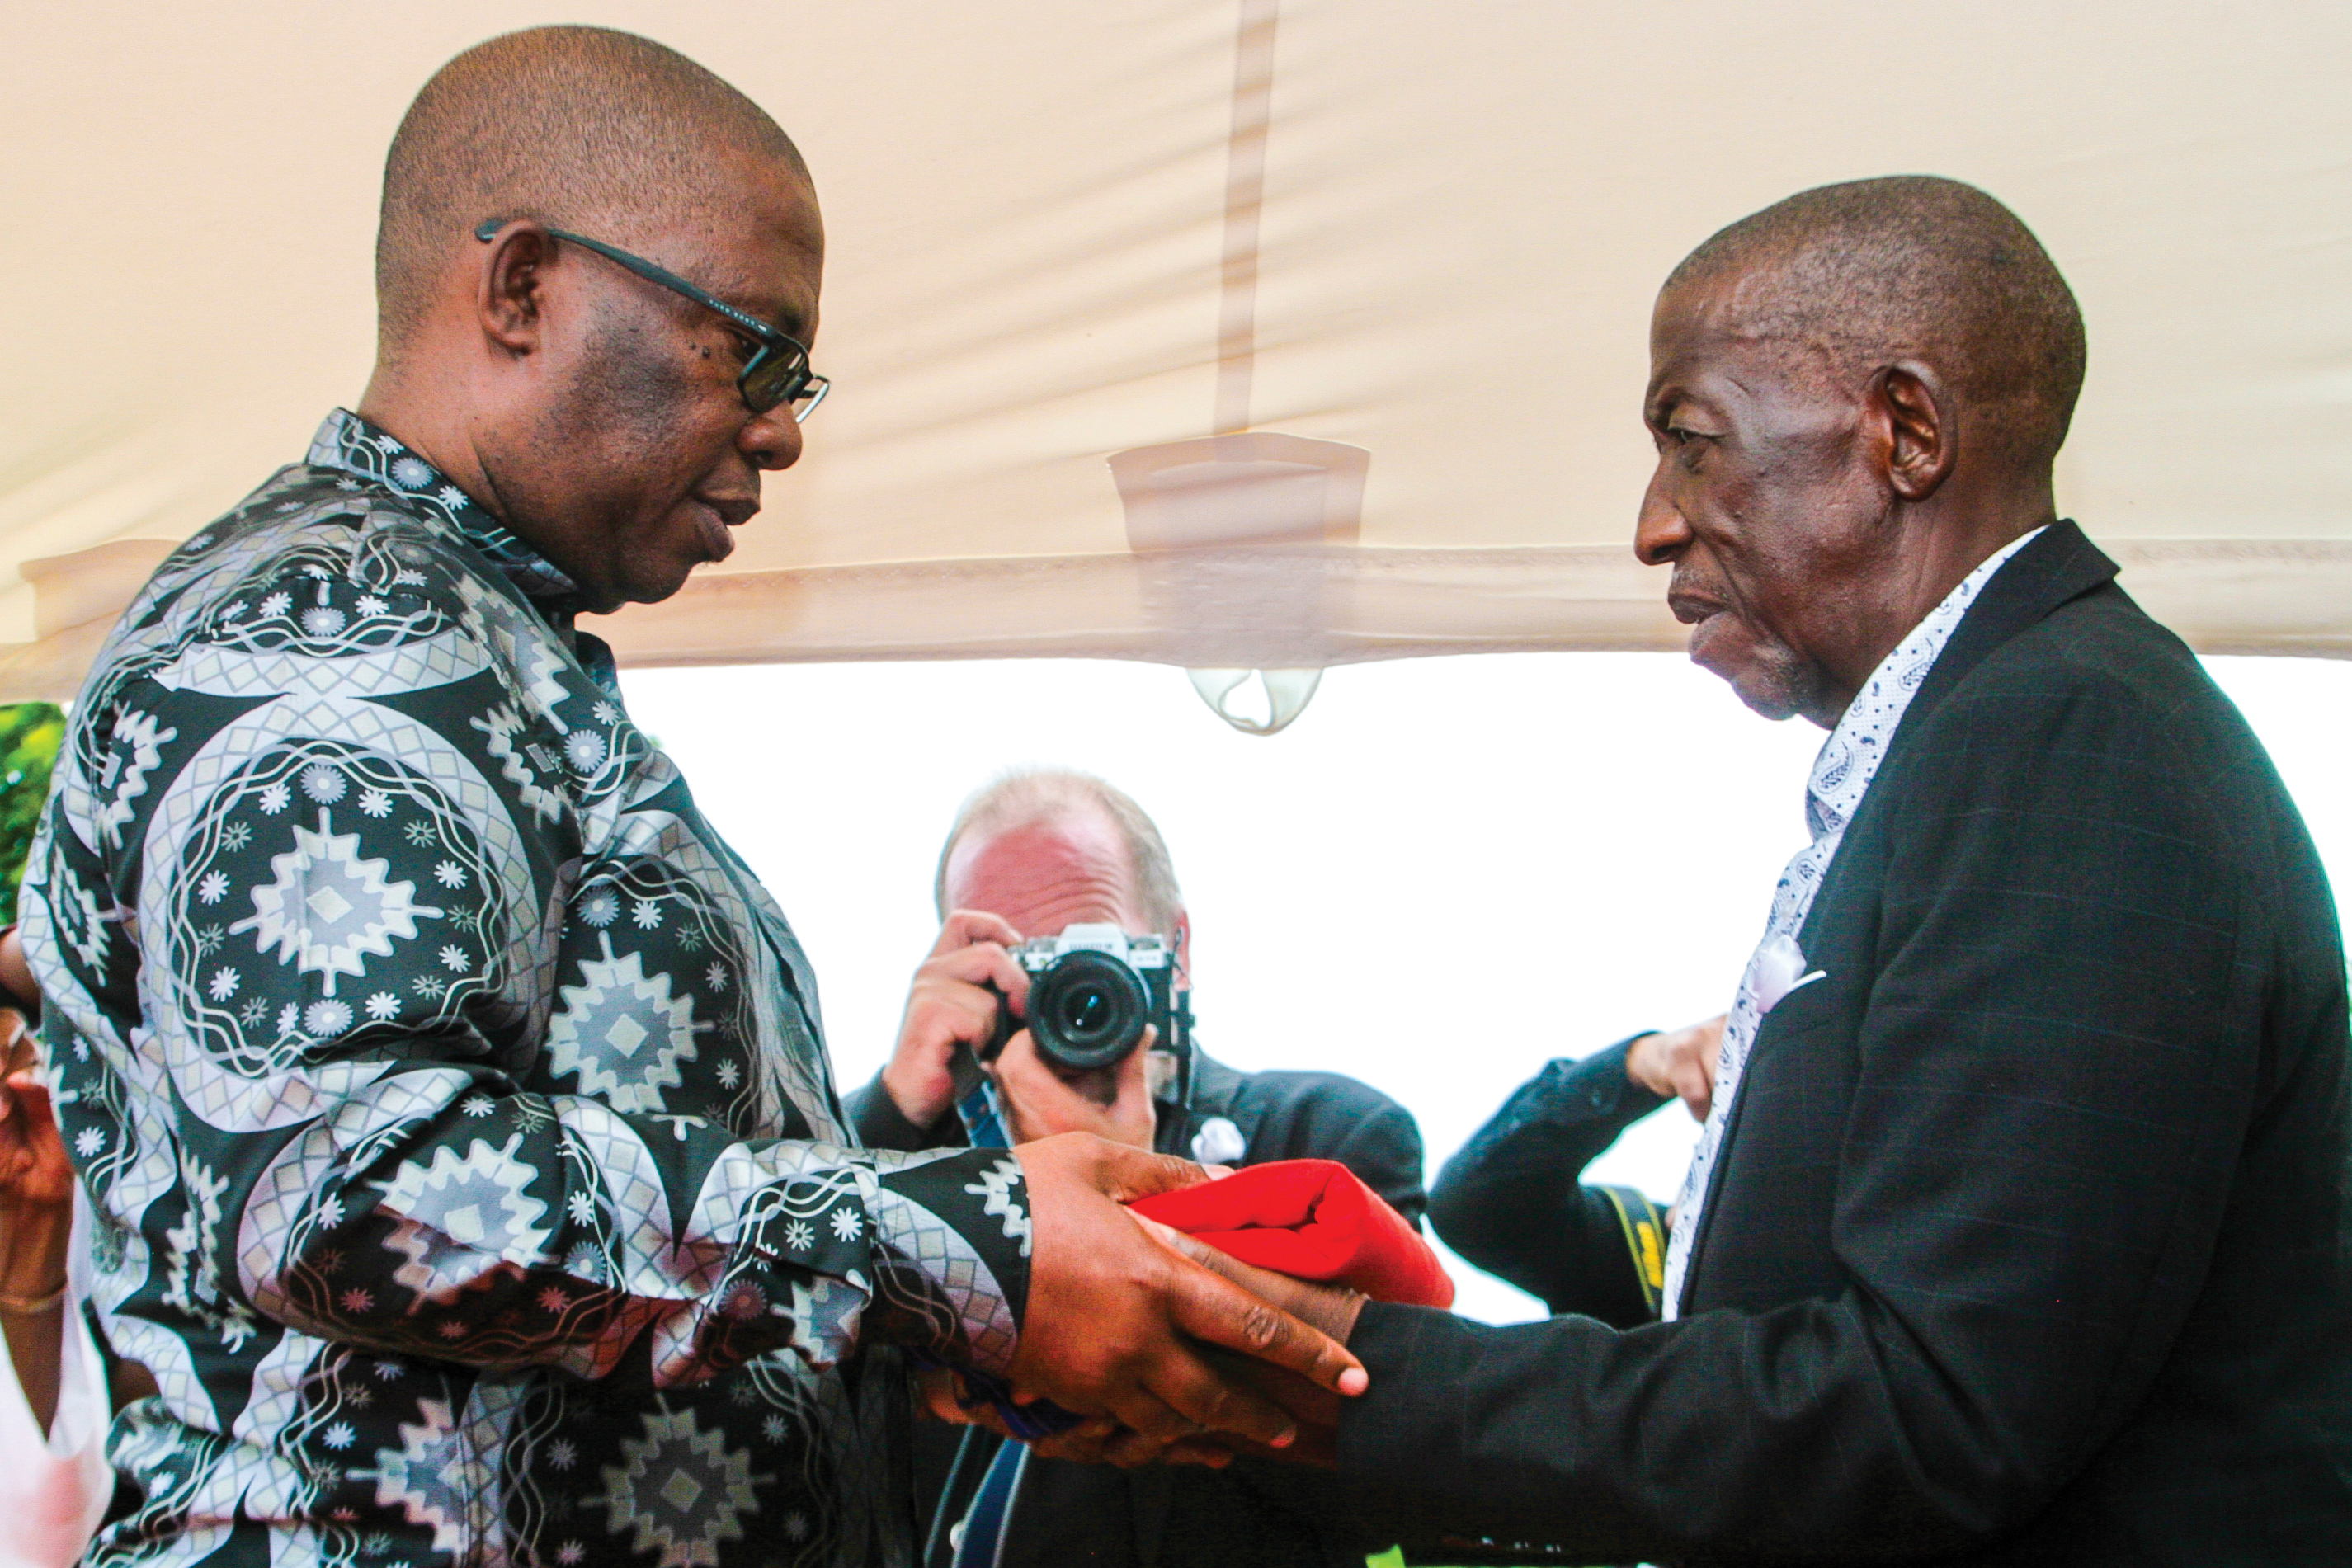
<point x="703" y="1501"/>
<point x="347" y="913"/>
<point x="461" y="1217"/>
<point x="603" y="1025"/>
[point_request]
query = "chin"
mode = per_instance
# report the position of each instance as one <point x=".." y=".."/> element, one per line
<point x="1768" y="679"/>
<point x="1766" y="695"/>
<point x="651" y="583"/>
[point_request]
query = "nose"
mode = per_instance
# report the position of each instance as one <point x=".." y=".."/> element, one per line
<point x="1661" y="534"/>
<point x="771" y="439"/>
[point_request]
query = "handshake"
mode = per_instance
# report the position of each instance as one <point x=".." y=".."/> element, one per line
<point x="1169" y="1349"/>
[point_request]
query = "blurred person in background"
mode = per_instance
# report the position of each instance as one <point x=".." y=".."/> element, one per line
<point x="54" y="1483"/>
<point x="1031" y="854"/>
<point x="1513" y="1201"/>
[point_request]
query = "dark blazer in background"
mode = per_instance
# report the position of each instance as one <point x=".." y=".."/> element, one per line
<point x="1251" y="1514"/>
<point x="1513" y="1199"/>
<point x="2028" y="1242"/>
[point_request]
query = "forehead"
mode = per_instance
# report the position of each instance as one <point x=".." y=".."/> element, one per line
<point x="758" y="241"/>
<point x="1073" y="846"/>
<point x="1732" y="335"/>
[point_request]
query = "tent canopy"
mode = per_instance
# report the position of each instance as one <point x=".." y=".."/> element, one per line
<point x="1235" y="333"/>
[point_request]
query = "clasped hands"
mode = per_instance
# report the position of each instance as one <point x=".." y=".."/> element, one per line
<point x="1171" y="1351"/>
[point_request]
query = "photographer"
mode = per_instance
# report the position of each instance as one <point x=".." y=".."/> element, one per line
<point x="1043" y="852"/>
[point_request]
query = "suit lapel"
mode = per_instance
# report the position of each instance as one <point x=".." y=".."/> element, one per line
<point x="2060" y="565"/>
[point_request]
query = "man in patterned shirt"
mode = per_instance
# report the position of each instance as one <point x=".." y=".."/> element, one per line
<point x="467" y="1165"/>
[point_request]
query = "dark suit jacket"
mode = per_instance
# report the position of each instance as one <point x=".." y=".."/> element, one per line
<point x="2028" y="1242"/>
<point x="1513" y="1199"/>
<point x="1250" y="1514"/>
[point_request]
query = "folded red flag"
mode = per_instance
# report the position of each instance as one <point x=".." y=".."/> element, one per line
<point x="1311" y="1220"/>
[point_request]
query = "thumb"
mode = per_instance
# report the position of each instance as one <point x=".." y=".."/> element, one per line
<point x="1123" y="1173"/>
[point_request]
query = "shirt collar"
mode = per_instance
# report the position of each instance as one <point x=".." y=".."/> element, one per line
<point x="1849" y="759"/>
<point x="351" y="444"/>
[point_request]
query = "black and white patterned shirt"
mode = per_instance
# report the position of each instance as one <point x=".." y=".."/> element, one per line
<point x="467" y="1164"/>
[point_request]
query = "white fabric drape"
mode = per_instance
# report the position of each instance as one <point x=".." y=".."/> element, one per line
<point x="1419" y="240"/>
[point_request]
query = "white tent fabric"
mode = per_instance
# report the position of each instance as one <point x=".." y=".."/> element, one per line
<point x="1359" y="288"/>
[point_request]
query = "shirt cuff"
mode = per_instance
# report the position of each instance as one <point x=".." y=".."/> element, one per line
<point x="952" y="1242"/>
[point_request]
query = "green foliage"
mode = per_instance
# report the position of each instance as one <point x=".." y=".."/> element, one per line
<point x="30" y="733"/>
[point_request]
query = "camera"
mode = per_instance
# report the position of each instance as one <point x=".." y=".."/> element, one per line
<point x="1093" y="990"/>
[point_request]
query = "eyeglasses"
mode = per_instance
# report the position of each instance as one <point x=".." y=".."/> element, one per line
<point x="778" y="371"/>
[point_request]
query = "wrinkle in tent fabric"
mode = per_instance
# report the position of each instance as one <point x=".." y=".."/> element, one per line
<point x="1391" y="261"/>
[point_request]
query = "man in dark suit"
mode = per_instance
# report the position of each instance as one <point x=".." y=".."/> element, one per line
<point x="2021" y="1231"/>
<point x="1033" y="854"/>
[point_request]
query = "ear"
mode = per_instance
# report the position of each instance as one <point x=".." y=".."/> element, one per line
<point x="1921" y="437"/>
<point x="1184" y="940"/>
<point x="510" y="292"/>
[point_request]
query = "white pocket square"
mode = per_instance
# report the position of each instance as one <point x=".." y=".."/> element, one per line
<point x="1779" y="969"/>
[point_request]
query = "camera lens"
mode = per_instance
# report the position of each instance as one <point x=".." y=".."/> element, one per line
<point x="1089" y="1009"/>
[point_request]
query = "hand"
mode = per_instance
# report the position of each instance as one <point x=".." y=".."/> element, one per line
<point x="1042" y="1098"/>
<point x="949" y="1005"/>
<point x="1329" y="1309"/>
<point x="1111" y="1314"/>
<point x="36" y="1179"/>
<point x="1096" y="1440"/>
<point x="1679" y="1062"/>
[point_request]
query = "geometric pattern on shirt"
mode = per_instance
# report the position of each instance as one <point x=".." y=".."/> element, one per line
<point x="427" y="1054"/>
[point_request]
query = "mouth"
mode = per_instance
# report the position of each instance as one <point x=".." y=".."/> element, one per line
<point x="1692" y="609"/>
<point x="716" y="519"/>
<point x="1707" y="617"/>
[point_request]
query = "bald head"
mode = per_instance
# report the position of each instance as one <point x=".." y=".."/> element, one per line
<point x="580" y="128"/>
<point x="1039" y="830"/>
<point x="1913" y="267"/>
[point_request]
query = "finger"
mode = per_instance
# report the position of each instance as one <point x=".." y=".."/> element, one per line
<point x="1321" y="1307"/>
<point x="965" y="926"/>
<point x="1691" y="1083"/>
<point x="1123" y="1173"/>
<point x="1083" y="1444"/>
<point x="1205" y="1451"/>
<point x="1148" y="1422"/>
<point x="981" y="964"/>
<point x="1134" y="1071"/>
<point x="1129" y="1451"/>
<point x="1209" y="1307"/>
<point x="1035" y="1103"/>
<point x="1308" y="1406"/>
<point x="1208" y="1402"/>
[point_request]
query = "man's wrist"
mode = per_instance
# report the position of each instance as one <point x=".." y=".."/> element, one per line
<point x="35" y="1245"/>
<point x="1640" y="1065"/>
<point x="919" y="1110"/>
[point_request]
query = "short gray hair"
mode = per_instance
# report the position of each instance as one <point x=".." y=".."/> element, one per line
<point x="1021" y="796"/>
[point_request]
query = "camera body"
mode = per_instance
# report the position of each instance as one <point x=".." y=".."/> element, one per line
<point x="1092" y="991"/>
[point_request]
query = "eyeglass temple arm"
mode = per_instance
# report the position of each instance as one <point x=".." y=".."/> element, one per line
<point x="488" y="230"/>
